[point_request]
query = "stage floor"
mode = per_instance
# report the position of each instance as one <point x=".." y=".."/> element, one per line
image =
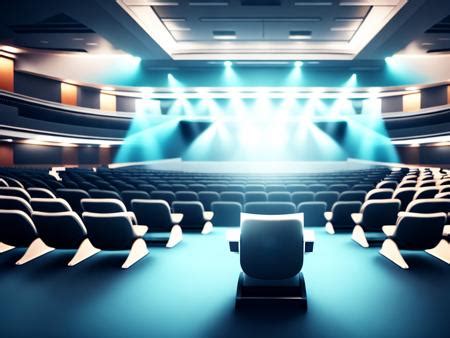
<point x="254" y="167"/>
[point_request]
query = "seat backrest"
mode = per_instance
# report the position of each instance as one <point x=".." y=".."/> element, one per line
<point x="40" y="193"/>
<point x="429" y="205"/>
<point x="364" y="187"/>
<point x="129" y="195"/>
<point x="197" y="187"/>
<point x="100" y="193"/>
<point x="417" y="231"/>
<point x="405" y="195"/>
<point x="16" y="228"/>
<point x="443" y="195"/>
<point x="353" y="195"/>
<point x="235" y="187"/>
<point x="3" y="183"/>
<point x="379" y="212"/>
<point x="73" y="197"/>
<point x="232" y="196"/>
<point x="147" y="187"/>
<point x="279" y="196"/>
<point x="329" y="197"/>
<point x="275" y="188"/>
<point x="192" y="213"/>
<point x="427" y="192"/>
<point x="186" y="196"/>
<point x="226" y="214"/>
<point x="338" y="187"/>
<point x="14" y="191"/>
<point x="269" y="208"/>
<point x="387" y="185"/>
<point x="302" y="196"/>
<point x="63" y="230"/>
<point x="342" y="211"/>
<point x="296" y="187"/>
<point x="176" y="187"/>
<point x="165" y="195"/>
<point x="271" y="246"/>
<point x="103" y="205"/>
<point x="317" y="187"/>
<point x="109" y="231"/>
<point x="153" y="213"/>
<point x="50" y="205"/>
<point x="254" y="188"/>
<point x="379" y="194"/>
<point x="208" y="197"/>
<point x="15" y="203"/>
<point x="255" y="196"/>
<point x="313" y="213"/>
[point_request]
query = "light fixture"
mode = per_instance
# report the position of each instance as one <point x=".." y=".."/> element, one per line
<point x="298" y="64"/>
<point x="410" y="89"/>
<point x="107" y="88"/>
<point x="228" y="64"/>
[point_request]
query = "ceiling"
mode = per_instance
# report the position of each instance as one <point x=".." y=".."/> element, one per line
<point x="185" y="32"/>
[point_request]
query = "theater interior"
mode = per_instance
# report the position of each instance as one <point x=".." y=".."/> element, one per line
<point x="224" y="168"/>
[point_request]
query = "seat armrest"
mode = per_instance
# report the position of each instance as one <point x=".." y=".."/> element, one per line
<point x="208" y="215"/>
<point x="233" y="235"/>
<point x="309" y="235"/>
<point x="139" y="230"/>
<point x="132" y="217"/>
<point x="176" y="218"/>
<point x="357" y="218"/>
<point x="446" y="231"/>
<point x="328" y="215"/>
<point x="401" y="214"/>
<point x="389" y="230"/>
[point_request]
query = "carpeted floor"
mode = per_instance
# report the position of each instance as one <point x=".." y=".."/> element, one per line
<point x="189" y="291"/>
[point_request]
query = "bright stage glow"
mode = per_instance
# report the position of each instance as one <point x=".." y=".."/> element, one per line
<point x="298" y="64"/>
<point x="228" y="64"/>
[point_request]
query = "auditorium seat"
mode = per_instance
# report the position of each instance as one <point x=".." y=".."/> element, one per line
<point x="50" y="204"/>
<point x="338" y="187"/>
<point x="302" y="196"/>
<point x="40" y="193"/>
<point x="106" y="206"/>
<point x="429" y="205"/>
<point x="279" y="196"/>
<point x="329" y="197"/>
<point x="114" y="232"/>
<point x="254" y="188"/>
<point x="445" y="195"/>
<point x="405" y="195"/>
<point x="415" y="231"/>
<point x="353" y="195"/>
<point x="129" y="195"/>
<point x="15" y="203"/>
<point x="275" y="188"/>
<point x="364" y="187"/>
<point x="255" y="196"/>
<point x="73" y="197"/>
<point x="17" y="230"/>
<point x="296" y="187"/>
<point x="3" y="183"/>
<point x="157" y="216"/>
<point x="379" y="194"/>
<point x="387" y="185"/>
<point x="407" y="184"/>
<point x="226" y="214"/>
<point x="374" y="214"/>
<point x="235" y="187"/>
<point x="186" y="196"/>
<point x="426" y="192"/>
<point x="197" y="187"/>
<point x="149" y="188"/>
<point x="14" y="191"/>
<point x="314" y="213"/>
<point x="165" y="195"/>
<point x="271" y="269"/>
<point x="232" y="196"/>
<point x="177" y="187"/>
<point x="207" y="198"/>
<point x="269" y="208"/>
<point x="317" y="187"/>
<point x="340" y="216"/>
<point x="99" y="193"/>
<point x="194" y="216"/>
<point x="445" y="188"/>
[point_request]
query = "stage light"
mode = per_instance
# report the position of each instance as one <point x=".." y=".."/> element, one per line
<point x="228" y="64"/>
<point x="298" y="64"/>
<point x="352" y="81"/>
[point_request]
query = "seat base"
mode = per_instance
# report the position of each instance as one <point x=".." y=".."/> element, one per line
<point x="276" y="294"/>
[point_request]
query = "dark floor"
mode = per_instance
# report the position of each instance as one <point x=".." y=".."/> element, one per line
<point x="189" y="291"/>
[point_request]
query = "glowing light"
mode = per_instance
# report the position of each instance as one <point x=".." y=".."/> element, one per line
<point x="411" y="88"/>
<point x="228" y="64"/>
<point x="352" y="81"/>
<point x="298" y="64"/>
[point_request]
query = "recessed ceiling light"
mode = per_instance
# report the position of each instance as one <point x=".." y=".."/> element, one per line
<point x="300" y="35"/>
<point x="298" y="64"/>
<point x="342" y="29"/>
<point x="224" y="35"/>
<point x="427" y="44"/>
<point x="92" y="43"/>
<point x="228" y="64"/>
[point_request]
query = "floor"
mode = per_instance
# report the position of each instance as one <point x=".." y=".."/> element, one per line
<point x="189" y="291"/>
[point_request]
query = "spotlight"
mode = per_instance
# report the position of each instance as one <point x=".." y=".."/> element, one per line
<point x="228" y="64"/>
<point x="298" y="64"/>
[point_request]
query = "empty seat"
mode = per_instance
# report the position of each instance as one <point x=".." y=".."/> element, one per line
<point x="275" y="187"/>
<point x="197" y="187"/>
<point x="429" y="205"/>
<point x="445" y="188"/>
<point x="235" y="187"/>
<point x="317" y="187"/>
<point x="426" y="183"/>
<point x="14" y="191"/>
<point x="255" y="196"/>
<point x="165" y="195"/>
<point x="149" y="188"/>
<point x="186" y="196"/>
<point x="407" y="184"/>
<point x="15" y="203"/>
<point x="379" y="194"/>
<point x="113" y="232"/>
<point x="387" y="185"/>
<point x="415" y="231"/>
<point x="427" y="192"/>
<point x="99" y="193"/>
<point x="3" y="183"/>
<point x="329" y="197"/>
<point x="296" y="187"/>
<point x="231" y="196"/>
<point x="374" y="214"/>
<point x="226" y="214"/>
<point x="314" y="213"/>
<point x="129" y="195"/>
<point x="17" y="230"/>
<point x="340" y="216"/>
<point x="279" y="196"/>
<point x="73" y="197"/>
<point x="106" y="206"/>
<point x="364" y="187"/>
<point x="445" y="195"/>
<point x="194" y="216"/>
<point x="254" y="187"/>
<point x="271" y="256"/>
<point x="207" y="198"/>
<point x="157" y="216"/>
<point x="269" y="208"/>
<point x="405" y="195"/>
<point x="40" y="193"/>
<point x="353" y="195"/>
<point x="216" y="187"/>
<point x="338" y="187"/>
<point x="302" y="196"/>
<point x="50" y="205"/>
<point x="176" y="187"/>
